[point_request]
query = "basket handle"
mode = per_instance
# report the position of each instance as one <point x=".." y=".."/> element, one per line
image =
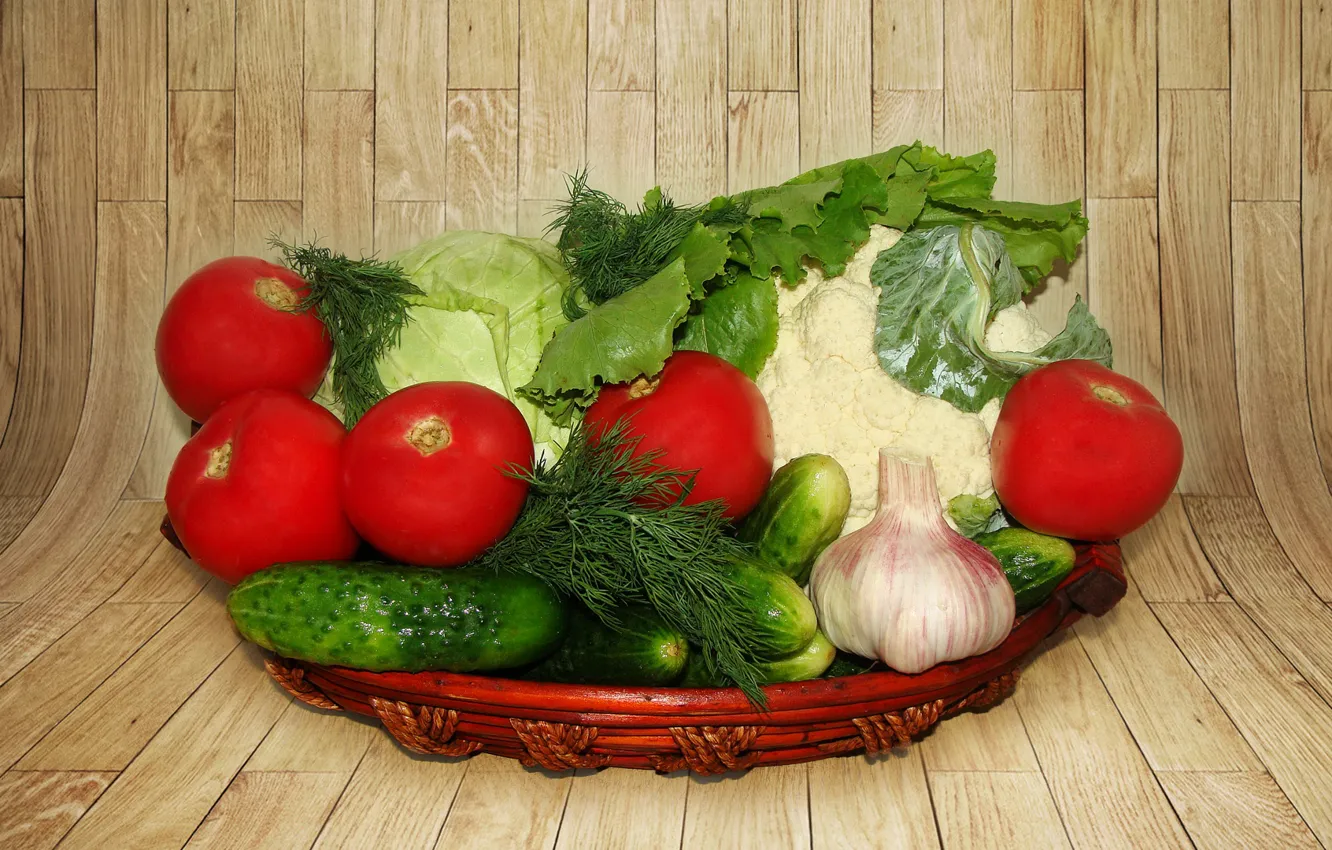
<point x="1097" y="581"/>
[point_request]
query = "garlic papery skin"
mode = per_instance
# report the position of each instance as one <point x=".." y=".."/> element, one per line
<point x="907" y="589"/>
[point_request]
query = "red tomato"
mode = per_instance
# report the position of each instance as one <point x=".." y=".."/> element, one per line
<point x="257" y="486"/>
<point x="424" y="472"/>
<point x="1082" y="452"/>
<point x="231" y="328"/>
<point x="704" y="414"/>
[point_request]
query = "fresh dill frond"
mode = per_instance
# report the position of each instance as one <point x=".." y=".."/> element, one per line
<point x="610" y="529"/>
<point x="608" y="250"/>
<point x="364" y="306"/>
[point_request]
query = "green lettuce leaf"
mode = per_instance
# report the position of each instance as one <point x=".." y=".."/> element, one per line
<point x="737" y="322"/>
<point x="1035" y="234"/>
<point x="938" y="291"/>
<point x="627" y="336"/>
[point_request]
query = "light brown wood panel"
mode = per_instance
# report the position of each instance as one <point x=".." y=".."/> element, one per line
<point x="1166" y="563"/>
<point x="534" y="217"/>
<point x="400" y="225"/>
<point x="1192" y="35"/>
<point x="620" y="130"/>
<point x="411" y="99"/>
<point x="1265" y="100"/>
<point x="11" y="304"/>
<point x="11" y="98"/>
<point x="257" y="221"/>
<point x="131" y="100"/>
<point x="483" y="161"/>
<point x="1203" y="800"/>
<point x="339" y="162"/>
<point x="37" y="809"/>
<point x="620" y="45"/>
<point x="1316" y="46"/>
<point x="109" y="728"/>
<point x="201" y="44"/>
<point x="1273" y="389"/>
<point x="871" y="802"/>
<point x="908" y="45"/>
<point x="1316" y="217"/>
<point x="1125" y="284"/>
<point x="1265" y="697"/>
<point x="60" y="252"/>
<point x="393" y="800"/>
<point x="761" y="45"/>
<point x="1049" y="168"/>
<point x="998" y="810"/>
<point x="1102" y="785"/>
<point x="978" y="81"/>
<point x="1047" y="46"/>
<point x="201" y="176"/>
<point x="836" y="100"/>
<point x="131" y="263"/>
<point x="263" y="811"/>
<point x="340" y="45"/>
<point x="764" y="139"/>
<point x="765" y="809"/>
<point x="1175" y="721"/>
<point x="166" y="576"/>
<point x="35" y="700"/>
<point x="6" y="607"/>
<point x="985" y="741"/>
<point x="1121" y="98"/>
<point x="902" y="117"/>
<point x="269" y="38"/>
<point x="552" y="123"/>
<point x="1197" y="311"/>
<point x="311" y="740"/>
<point x="15" y="512"/>
<point x="691" y="98"/>
<point x="500" y="803"/>
<point x="59" y="38"/>
<point x="594" y="815"/>
<point x="483" y="44"/>
<point x="163" y="795"/>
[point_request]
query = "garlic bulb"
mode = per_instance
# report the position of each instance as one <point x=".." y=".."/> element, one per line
<point x="906" y="588"/>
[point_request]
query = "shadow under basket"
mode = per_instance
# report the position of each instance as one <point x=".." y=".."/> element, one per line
<point x="705" y="730"/>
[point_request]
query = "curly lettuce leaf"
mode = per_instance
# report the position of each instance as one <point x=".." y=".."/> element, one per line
<point x="1035" y="234"/>
<point x="737" y="323"/>
<point x="938" y="291"/>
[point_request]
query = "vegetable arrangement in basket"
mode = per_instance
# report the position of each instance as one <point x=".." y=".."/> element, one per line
<point x="619" y="459"/>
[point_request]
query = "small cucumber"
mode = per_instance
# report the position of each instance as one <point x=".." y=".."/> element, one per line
<point x="782" y="613"/>
<point x="801" y="512"/>
<point x="807" y="663"/>
<point x="1034" y="563"/>
<point x="644" y="650"/>
<point x="846" y="664"/>
<point x="373" y="616"/>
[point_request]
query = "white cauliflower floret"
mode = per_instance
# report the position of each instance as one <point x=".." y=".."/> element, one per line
<point x="828" y="394"/>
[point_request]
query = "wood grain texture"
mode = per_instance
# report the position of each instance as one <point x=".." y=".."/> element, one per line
<point x="902" y="115"/>
<point x="59" y="39"/>
<point x="1191" y="34"/>
<point x="201" y="44"/>
<point x="836" y="102"/>
<point x="1125" y="284"/>
<point x="37" y="809"/>
<point x="269" y="811"/>
<point x="482" y="162"/>
<point x="1200" y="799"/>
<point x="269" y="38"/>
<point x="1121" y="98"/>
<point x="862" y="802"/>
<point x="1197" y="310"/>
<point x="691" y="98"/>
<point x="908" y="45"/>
<point x="483" y="43"/>
<point x="996" y="810"/>
<point x="399" y="225"/>
<point x="11" y="99"/>
<point x="552" y="124"/>
<point x="340" y="171"/>
<point x="1168" y="564"/>
<point x="978" y="78"/>
<point x="340" y="45"/>
<point x="620" y="43"/>
<point x="593" y="812"/>
<point x="411" y="99"/>
<point x="1265" y="100"/>
<point x="60" y="252"/>
<point x="1316" y="218"/>
<point x="311" y="740"/>
<point x="1047" y="45"/>
<point x="764" y="139"/>
<point x="165" y="576"/>
<point x="131" y="100"/>
<point x="620" y="130"/>
<point x="761" y="45"/>
<point x="1316" y="46"/>
<point x="257" y="221"/>
<point x="766" y="808"/>
<point x="500" y="803"/>
<point x="982" y="742"/>
<point x="11" y="303"/>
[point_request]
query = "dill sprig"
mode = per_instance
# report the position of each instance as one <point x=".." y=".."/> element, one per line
<point x="611" y="529"/>
<point x="609" y="250"/>
<point x="364" y="305"/>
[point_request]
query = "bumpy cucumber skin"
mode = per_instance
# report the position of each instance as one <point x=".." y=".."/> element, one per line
<point x="781" y="612"/>
<point x="807" y="663"/>
<point x="1034" y="563"/>
<point x="801" y="512"/>
<point x="644" y="651"/>
<point x="383" y="617"/>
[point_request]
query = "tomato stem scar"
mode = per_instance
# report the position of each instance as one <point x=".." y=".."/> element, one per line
<point x="276" y="294"/>
<point x="219" y="461"/>
<point x="1109" y="394"/>
<point x="643" y="386"/>
<point x="429" y="436"/>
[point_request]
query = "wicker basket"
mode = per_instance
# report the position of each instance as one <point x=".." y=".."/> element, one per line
<point x="708" y="731"/>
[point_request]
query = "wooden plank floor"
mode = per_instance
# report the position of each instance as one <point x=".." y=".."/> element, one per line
<point x="140" y="138"/>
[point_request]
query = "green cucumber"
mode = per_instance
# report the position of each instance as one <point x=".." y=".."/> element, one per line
<point x="378" y="617"/>
<point x="1034" y="563"/>
<point x="807" y="663"/>
<point x="801" y="512"/>
<point x="846" y="664"/>
<point x="783" y="616"/>
<point x="642" y="651"/>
